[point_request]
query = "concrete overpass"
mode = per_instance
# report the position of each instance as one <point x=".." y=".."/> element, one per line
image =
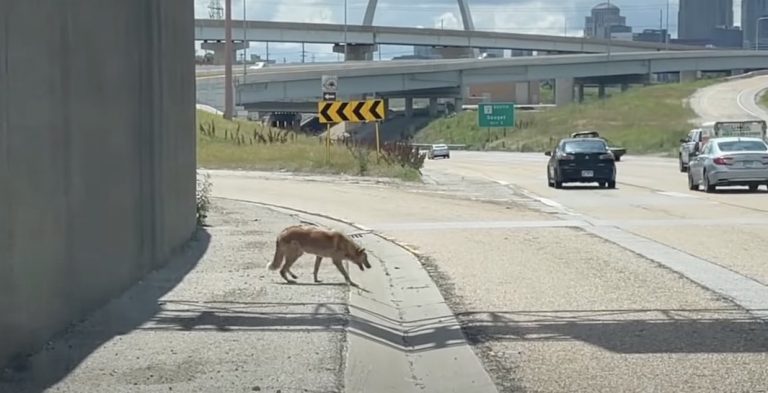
<point x="439" y="77"/>
<point x="367" y="36"/>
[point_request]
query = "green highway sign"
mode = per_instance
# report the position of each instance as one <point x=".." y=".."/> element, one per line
<point x="496" y="114"/>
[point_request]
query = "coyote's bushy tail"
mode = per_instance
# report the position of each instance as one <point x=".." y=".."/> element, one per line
<point x="277" y="261"/>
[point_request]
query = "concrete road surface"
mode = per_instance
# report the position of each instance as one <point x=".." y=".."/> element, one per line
<point x="733" y="100"/>
<point x="214" y="320"/>
<point x="576" y="289"/>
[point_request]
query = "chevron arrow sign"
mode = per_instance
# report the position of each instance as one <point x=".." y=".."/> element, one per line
<point x="351" y="111"/>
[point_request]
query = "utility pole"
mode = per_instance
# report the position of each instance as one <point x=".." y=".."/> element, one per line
<point x="228" y="96"/>
<point x="303" y="53"/>
<point x="245" y="43"/>
<point x="666" y="31"/>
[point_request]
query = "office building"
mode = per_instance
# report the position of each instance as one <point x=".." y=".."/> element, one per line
<point x="696" y="19"/>
<point x="653" y="35"/>
<point x="751" y="11"/>
<point x="605" y="20"/>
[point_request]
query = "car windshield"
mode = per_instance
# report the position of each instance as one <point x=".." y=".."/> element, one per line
<point x="741" y="146"/>
<point x="584" y="146"/>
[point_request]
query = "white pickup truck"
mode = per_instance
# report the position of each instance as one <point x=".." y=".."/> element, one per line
<point x="696" y="138"/>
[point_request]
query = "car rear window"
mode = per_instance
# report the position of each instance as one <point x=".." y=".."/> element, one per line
<point x="585" y="146"/>
<point x="742" y="146"/>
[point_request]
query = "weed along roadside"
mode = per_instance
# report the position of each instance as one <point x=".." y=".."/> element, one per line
<point x="644" y="120"/>
<point x="238" y="144"/>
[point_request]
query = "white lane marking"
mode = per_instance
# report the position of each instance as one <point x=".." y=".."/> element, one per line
<point x="677" y="194"/>
<point x="744" y="108"/>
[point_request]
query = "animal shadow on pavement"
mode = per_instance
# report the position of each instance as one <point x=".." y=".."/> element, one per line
<point x="123" y="314"/>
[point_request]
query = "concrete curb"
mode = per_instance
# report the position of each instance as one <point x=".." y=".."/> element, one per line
<point x="402" y="336"/>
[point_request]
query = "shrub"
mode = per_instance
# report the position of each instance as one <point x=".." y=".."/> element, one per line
<point x="204" y="187"/>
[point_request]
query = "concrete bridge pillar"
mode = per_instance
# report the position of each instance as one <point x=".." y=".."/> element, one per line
<point x="601" y="91"/>
<point x="433" y="107"/>
<point x="580" y="92"/>
<point x="563" y="91"/>
<point x="689" y="76"/>
<point x="458" y="103"/>
<point x="219" y="53"/>
<point x="534" y="92"/>
<point x="356" y="52"/>
<point x="408" y="106"/>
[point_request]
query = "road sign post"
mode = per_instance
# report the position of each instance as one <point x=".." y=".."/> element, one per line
<point x="495" y="115"/>
<point x="329" y="86"/>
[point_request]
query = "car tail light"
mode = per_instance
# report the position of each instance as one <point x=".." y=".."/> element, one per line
<point x="765" y="160"/>
<point x="607" y="156"/>
<point x="722" y="160"/>
<point x="564" y="156"/>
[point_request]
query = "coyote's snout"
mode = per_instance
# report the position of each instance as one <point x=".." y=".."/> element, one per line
<point x="296" y="240"/>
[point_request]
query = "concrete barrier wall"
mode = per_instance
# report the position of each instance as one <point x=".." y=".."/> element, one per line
<point x="97" y="155"/>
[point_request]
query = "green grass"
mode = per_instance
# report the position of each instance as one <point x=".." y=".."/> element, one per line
<point x="644" y="120"/>
<point x="764" y="99"/>
<point x="300" y="153"/>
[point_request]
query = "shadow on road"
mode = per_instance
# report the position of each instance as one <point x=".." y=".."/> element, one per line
<point x="120" y="316"/>
<point x="641" y="331"/>
<point x="627" y="331"/>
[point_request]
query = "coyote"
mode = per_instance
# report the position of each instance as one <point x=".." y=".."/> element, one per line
<point x="296" y="240"/>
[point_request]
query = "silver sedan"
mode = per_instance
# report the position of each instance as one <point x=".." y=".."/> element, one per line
<point x="730" y="161"/>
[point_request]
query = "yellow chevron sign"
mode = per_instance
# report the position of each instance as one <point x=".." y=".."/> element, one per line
<point x="351" y="111"/>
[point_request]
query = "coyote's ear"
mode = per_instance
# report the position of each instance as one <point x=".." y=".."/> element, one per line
<point x="361" y="251"/>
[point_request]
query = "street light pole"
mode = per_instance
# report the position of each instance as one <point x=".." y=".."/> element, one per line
<point x="228" y="54"/>
<point x="345" y="31"/>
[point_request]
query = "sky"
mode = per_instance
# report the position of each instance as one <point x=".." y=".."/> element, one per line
<point x="554" y="17"/>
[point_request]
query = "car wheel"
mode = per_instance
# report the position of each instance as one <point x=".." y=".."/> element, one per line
<point x="691" y="185"/>
<point x="558" y="182"/>
<point x="705" y="181"/>
<point x="612" y="184"/>
<point x="753" y="187"/>
<point x="617" y="158"/>
<point x="683" y="168"/>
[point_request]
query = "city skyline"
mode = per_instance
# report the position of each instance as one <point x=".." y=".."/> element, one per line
<point x="525" y="16"/>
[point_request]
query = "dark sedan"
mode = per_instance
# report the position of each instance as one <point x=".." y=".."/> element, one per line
<point x="581" y="160"/>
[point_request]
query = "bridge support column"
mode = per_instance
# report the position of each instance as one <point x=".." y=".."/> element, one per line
<point x="433" y="107"/>
<point x="580" y="92"/>
<point x="356" y="52"/>
<point x="523" y="93"/>
<point x="458" y="104"/>
<point x="408" y="106"/>
<point x="534" y="91"/>
<point x="563" y="91"/>
<point x="219" y="53"/>
<point x="688" y="76"/>
<point x="624" y="87"/>
<point x="601" y="91"/>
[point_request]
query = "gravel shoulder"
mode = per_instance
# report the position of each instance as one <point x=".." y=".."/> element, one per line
<point x="230" y="325"/>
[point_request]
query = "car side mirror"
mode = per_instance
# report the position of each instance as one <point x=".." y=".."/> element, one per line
<point x="548" y="153"/>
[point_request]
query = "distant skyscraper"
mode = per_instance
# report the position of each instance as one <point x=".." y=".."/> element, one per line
<point x="605" y="19"/>
<point x="696" y="19"/>
<point x="751" y="10"/>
